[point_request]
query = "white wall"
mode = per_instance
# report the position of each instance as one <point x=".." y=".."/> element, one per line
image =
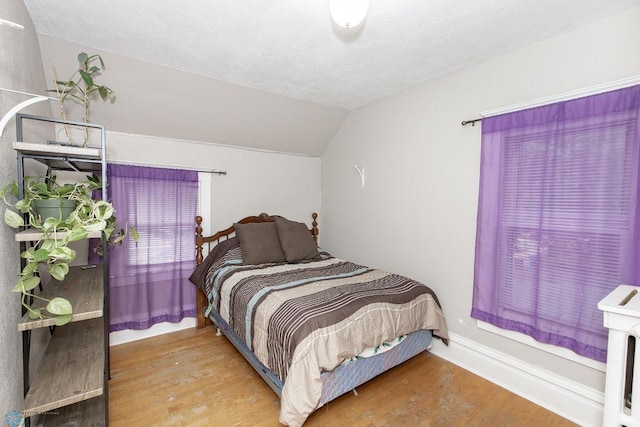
<point x="422" y="171"/>
<point x="160" y="101"/>
<point x="20" y="69"/>
<point x="256" y="181"/>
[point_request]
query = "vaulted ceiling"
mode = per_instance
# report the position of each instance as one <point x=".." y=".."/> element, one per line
<point x="293" y="49"/>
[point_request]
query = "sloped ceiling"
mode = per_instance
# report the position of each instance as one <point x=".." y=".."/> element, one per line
<point x="291" y="48"/>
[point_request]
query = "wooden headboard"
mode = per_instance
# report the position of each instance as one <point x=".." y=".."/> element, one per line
<point x="214" y="239"/>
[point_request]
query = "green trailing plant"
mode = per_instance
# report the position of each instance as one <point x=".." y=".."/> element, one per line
<point x="52" y="249"/>
<point x="81" y="88"/>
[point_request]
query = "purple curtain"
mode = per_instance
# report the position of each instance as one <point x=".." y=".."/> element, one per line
<point x="148" y="279"/>
<point x="558" y="218"/>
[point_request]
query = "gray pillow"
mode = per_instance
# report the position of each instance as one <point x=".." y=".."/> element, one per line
<point x="259" y="243"/>
<point x="296" y="240"/>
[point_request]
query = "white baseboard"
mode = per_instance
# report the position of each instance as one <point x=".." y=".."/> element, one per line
<point x="571" y="400"/>
<point x="128" y="335"/>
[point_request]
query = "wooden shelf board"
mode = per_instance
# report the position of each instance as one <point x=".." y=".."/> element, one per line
<point x="72" y="369"/>
<point x="32" y="235"/>
<point x="82" y="287"/>
<point x="57" y="150"/>
<point x="86" y="413"/>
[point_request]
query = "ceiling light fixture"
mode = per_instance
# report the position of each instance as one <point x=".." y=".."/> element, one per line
<point x="348" y="13"/>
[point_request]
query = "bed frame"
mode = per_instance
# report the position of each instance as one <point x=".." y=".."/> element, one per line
<point x="342" y="379"/>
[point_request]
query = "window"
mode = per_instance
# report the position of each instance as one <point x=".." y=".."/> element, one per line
<point x="557" y="220"/>
<point x="164" y="239"/>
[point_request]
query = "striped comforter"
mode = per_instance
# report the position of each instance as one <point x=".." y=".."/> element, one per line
<point x="300" y="319"/>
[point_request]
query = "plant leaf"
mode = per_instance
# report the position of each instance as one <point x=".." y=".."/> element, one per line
<point x="28" y="254"/>
<point x="88" y="80"/>
<point x="40" y="255"/>
<point x="134" y="233"/>
<point x="82" y="58"/>
<point x="39" y="188"/>
<point x="30" y="268"/>
<point x="117" y="240"/>
<point x="76" y="234"/>
<point x="96" y="226"/>
<point x="102" y="210"/>
<point x="12" y="219"/>
<point x="59" y="271"/>
<point x="107" y="232"/>
<point x="63" y="190"/>
<point x="48" y="244"/>
<point x="26" y="283"/>
<point x="51" y="224"/>
<point x="64" y="253"/>
<point x="62" y="320"/>
<point x="60" y="306"/>
<point x="23" y="205"/>
<point x="9" y="188"/>
<point x="34" y="313"/>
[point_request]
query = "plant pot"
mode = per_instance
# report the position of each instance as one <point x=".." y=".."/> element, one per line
<point x="54" y="208"/>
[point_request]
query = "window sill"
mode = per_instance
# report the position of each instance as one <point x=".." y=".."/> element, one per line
<point x="552" y="349"/>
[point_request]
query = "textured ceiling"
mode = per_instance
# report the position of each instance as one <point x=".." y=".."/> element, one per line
<point x="291" y="47"/>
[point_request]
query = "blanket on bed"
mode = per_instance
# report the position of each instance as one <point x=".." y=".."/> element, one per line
<point x="300" y="319"/>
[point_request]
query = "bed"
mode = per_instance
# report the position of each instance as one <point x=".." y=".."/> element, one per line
<point x="312" y="325"/>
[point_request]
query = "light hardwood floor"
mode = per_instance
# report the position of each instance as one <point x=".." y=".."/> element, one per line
<point x="194" y="378"/>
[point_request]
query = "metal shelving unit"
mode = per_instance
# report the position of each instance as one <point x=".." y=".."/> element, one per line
<point x="71" y="383"/>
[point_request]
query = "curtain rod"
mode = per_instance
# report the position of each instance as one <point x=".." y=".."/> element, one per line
<point x="578" y="93"/>
<point x="471" y="122"/>
<point x="155" y="165"/>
